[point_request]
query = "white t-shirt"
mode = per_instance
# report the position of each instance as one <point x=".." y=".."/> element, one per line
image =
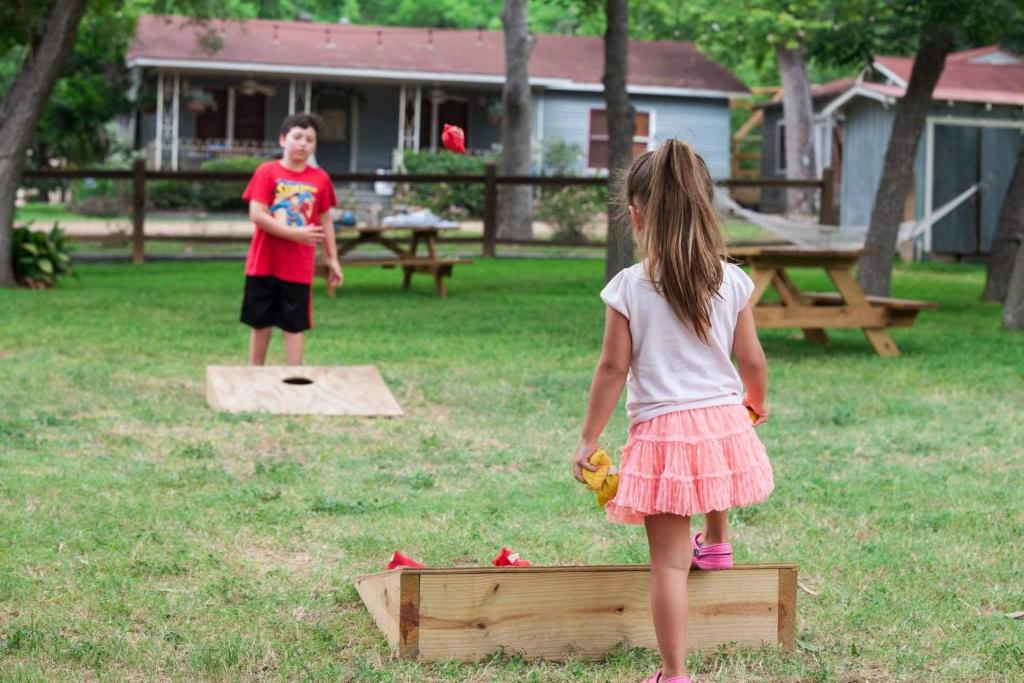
<point x="671" y="368"/>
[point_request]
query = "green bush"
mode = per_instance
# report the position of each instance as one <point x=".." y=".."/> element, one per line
<point x="446" y="199"/>
<point x="40" y="257"/>
<point x="568" y="208"/>
<point x="225" y="196"/>
<point x="172" y="195"/>
<point x="178" y="195"/>
<point x="100" y="197"/>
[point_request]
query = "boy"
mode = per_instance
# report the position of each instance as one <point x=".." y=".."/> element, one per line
<point x="290" y="206"/>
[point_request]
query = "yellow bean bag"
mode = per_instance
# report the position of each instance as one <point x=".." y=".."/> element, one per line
<point x="605" y="481"/>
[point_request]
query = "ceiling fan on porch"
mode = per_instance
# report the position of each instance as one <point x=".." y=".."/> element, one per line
<point x="250" y="86"/>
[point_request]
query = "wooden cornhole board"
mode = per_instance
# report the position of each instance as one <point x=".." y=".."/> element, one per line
<point x="557" y="612"/>
<point x="300" y="390"/>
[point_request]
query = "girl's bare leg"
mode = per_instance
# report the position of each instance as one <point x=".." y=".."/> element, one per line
<point x="716" y="527"/>
<point x="668" y="537"/>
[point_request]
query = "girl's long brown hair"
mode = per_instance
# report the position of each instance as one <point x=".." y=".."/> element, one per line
<point x="679" y="235"/>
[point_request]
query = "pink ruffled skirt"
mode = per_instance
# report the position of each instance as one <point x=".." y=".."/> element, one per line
<point x="690" y="462"/>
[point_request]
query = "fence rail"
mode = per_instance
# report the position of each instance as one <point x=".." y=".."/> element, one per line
<point x="138" y="174"/>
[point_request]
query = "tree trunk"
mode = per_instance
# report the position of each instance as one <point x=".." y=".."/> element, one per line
<point x="515" y="202"/>
<point x="797" y="115"/>
<point x="1009" y="230"/>
<point x="875" y="272"/>
<point x="50" y="42"/>
<point x="1013" y="309"/>
<point x="620" y="246"/>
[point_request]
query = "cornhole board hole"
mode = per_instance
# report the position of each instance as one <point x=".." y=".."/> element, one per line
<point x="300" y="390"/>
<point x="556" y="612"/>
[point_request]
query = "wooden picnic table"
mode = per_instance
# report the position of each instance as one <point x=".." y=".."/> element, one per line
<point x="847" y="307"/>
<point x="403" y="244"/>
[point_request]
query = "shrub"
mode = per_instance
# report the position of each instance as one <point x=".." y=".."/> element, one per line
<point x="447" y="199"/>
<point x="100" y="197"/>
<point x="568" y="208"/>
<point x="40" y="257"/>
<point x="178" y="195"/>
<point x="225" y="195"/>
<point x="171" y="195"/>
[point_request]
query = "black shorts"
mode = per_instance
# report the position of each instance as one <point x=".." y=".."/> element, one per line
<point x="270" y="302"/>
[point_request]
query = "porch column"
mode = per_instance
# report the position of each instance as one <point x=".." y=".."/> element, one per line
<point x="401" y="121"/>
<point x="175" y="122"/>
<point x="436" y="95"/>
<point x="158" y="149"/>
<point x="353" y="154"/>
<point x="231" y="115"/>
<point x="308" y="99"/>
<point x="291" y="96"/>
<point x="416" y="118"/>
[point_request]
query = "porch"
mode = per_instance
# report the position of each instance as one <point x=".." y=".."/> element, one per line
<point x="186" y="118"/>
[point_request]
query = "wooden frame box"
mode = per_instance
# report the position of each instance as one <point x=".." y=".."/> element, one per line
<point x="357" y="390"/>
<point x="556" y="612"/>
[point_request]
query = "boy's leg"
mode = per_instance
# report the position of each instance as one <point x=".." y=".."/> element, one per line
<point x="259" y="340"/>
<point x="668" y="537"/>
<point x="716" y="527"/>
<point x="294" y="347"/>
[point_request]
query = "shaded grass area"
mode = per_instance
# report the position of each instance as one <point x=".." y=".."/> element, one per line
<point x="144" y="537"/>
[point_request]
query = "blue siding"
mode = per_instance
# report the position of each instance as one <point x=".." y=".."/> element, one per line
<point x="865" y="137"/>
<point x="567" y="119"/>
<point x="702" y="123"/>
<point x="772" y="200"/>
<point x="957" y="164"/>
<point x="999" y="150"/>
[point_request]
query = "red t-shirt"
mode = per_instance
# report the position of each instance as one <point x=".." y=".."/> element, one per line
<point x="296" y="199"/>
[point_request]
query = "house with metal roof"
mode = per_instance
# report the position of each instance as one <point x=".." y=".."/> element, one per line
<point x="972" y="136"/>
<point x="221" y="88"/>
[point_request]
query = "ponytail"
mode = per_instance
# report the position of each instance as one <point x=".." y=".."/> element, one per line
<point x="679" y="236"/>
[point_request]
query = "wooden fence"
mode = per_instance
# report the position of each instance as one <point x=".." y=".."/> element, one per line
<point x="139" y="175"/>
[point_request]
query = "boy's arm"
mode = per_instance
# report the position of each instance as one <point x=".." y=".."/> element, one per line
<point x="260" y="214"/>
<point x="335" y="277"/>
<point x="330" y="243"/>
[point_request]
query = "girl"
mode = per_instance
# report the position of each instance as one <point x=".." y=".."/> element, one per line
<point x="671" y="323"/>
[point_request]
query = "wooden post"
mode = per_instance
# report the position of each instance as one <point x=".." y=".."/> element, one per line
<point x="138" y="210"/>
<point x="827" y="210"/>
<point x="490" y="209"/>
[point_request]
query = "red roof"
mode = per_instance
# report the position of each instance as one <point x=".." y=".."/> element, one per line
<point x="977" y="53"/>
<point x="833" y="87"/>
<point x="556" y="61"/>
<point x="962" y="80"/>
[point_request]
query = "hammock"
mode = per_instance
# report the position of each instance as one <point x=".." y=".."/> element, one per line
<point x="811" y="235"/>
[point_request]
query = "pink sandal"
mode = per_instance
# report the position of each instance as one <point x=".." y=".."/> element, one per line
<point x="710" y="557"/>
<point x="656" y="678"/>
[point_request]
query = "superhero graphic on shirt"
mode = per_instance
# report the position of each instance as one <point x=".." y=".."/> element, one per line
<point x="293" y="202"/>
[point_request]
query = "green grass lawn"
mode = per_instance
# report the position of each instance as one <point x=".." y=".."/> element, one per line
<point x="144" y="537"/>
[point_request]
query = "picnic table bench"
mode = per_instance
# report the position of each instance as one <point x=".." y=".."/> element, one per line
<point x="400" y="254"/>
<point x="847" y="307"/>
